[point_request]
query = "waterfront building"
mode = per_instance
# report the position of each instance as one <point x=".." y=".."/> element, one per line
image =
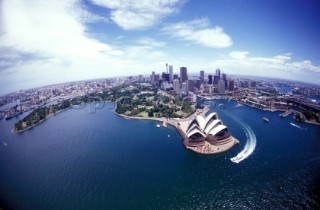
<point x="170" y="73"/>
<point x="231" y="85"/>
<point x="209" y="128"/>
<point x="183" y="74"/>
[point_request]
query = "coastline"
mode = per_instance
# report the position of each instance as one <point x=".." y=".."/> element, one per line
<point x="27" y="128"/>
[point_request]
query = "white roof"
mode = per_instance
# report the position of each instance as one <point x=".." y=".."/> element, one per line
<point x="213" y="124"/>
<point x="217" y="129"/>
<point x="194" y="131"/>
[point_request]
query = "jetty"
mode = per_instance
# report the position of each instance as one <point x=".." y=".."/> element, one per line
<point x="286" y="113"/>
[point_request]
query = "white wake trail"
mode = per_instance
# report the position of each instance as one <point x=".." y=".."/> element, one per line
<point x="250" y="144"/>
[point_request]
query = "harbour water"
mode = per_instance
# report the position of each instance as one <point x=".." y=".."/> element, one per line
<point x="84" y="159"/>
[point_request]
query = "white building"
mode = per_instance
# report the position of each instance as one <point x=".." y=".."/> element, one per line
<point x="176" y="85"/>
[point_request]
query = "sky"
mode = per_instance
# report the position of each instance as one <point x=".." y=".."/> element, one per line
<point x="46" y="42"/>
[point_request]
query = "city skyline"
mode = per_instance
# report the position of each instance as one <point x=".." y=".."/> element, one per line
<point x="43" y="43"/>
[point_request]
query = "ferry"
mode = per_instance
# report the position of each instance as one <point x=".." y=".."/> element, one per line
<point x="265" y="119"/>
<point x="158" y="126"/>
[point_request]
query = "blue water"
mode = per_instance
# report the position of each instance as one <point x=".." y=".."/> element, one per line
<point x="84" y="159"/>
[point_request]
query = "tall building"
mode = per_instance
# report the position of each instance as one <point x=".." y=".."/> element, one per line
<point x="167" y="68"/>
<point x="153" y="75"/>
<point x="183" y="74"/>
<point x="210" y="79"/>
<point x="176" y="76"/>
<point x="170" y="73"/>
<point x="165" y="77"/>
<point x="191" y="85"/>
<point x="176" y="85"/>
<point x="231" y="85"/>
<point x="216" y="79"/>
<point x="218" y="73"/>
<point x="140" y="77"/>
<point x="201" y="77"/>
<point x="224" y="76"/>
<point x="221" y="87"/>
<point x="184" y="87"/>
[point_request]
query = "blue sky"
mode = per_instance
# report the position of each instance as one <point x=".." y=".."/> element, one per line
<point x="46" y="42"/>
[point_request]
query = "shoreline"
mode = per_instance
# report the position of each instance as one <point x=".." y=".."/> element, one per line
<point x="41" y="121"/>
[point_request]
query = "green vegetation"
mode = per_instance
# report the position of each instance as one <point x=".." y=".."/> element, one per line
<point x="131" y="101"/>
<point x="40" y="114"/>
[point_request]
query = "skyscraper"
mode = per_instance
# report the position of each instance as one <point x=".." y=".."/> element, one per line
<point x="218" y="73"/>
<point x="176" y="85"/>
<point x="153" y="78"/>
<point x="216" y="79"/>
<point x="183" y="74"/>
<point x="191" y="85"/>
<point x="221" y="87"/>
<point x="231" y="85"/>
<point x="201" y="76"/>
<point x="209" y="79"/>
<point x="170" y="73"/>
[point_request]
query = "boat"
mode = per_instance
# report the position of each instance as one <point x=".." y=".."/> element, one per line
<point x="265" y="119"/>
<point x="236" y="159"/>
<point x="4" y="143"/>
<point x="168" y="136"/>
<point x="158" y="126"/>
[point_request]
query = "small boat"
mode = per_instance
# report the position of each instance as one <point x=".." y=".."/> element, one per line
<point x="265" y="119"/>
<point x="158" y="126"/>
<point x="168" y="136"/>
<point x="236" y="159"/>
<point x="4" y="143"/>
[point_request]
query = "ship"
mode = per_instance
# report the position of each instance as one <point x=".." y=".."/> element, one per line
<point x="265" y="119"/>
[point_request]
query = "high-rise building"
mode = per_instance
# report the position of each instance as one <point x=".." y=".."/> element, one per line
<point x="153" y="78"/>
<point x="140" y="77"/>
<point x="176" y="76"/>
<point x="210" y="79"/>
<point x="201" y="77"/>
<point x="165" y="76"/>
<point x="221" y="87"/>
<point x="176" y="85"/>
<point x="218" y="73"/>
<point x="224" y="76"/>
<point x="231" y="85"/>
<point x="191" y="85"/>
<point x="170" y="73"/>
<point x="184" y="87"/>
<point x="167" y="68"/>
<point x="183" y="74"/>
<point x="216" y="79"/>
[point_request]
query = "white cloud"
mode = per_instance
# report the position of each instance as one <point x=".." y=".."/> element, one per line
<point x="238" y="54"/>
<point x="51" y="28"/>
<point x="198" y="31"/>
<point x="279" y="66"/>
<point x="133" y="14"/>
<point x="44" y="42"/>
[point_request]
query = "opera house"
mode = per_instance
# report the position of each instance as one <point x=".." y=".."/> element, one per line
<point x="209" y="129"/>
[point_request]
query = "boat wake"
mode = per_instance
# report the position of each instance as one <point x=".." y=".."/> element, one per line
<point x="251" y="140"/>
<point x="239" y="105"/>
<point x="250" y="144"/>
<point x="295" y="125"/>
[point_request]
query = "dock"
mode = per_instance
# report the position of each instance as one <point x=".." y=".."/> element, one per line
<point x="286" y="113"/>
